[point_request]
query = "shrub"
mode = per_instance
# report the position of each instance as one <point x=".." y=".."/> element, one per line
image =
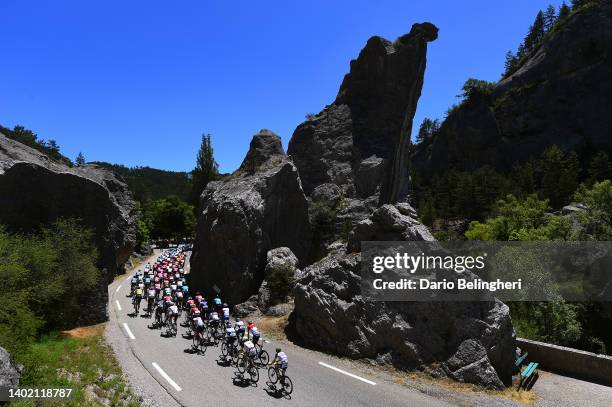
<point x="281" y="281"/>
<point x="44" y="276"/>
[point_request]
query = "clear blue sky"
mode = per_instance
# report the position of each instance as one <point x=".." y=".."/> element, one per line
<point x="137" y="82"/>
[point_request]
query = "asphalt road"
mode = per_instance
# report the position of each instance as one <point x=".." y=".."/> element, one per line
<point x="165" y="372"/>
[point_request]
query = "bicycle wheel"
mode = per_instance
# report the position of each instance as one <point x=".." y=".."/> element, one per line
<point x="264" y="357"/>
<point x="196" y="341"/>
<point x="254" y="373"/>
<point x="241" y="366"/>
<point x="272" y="375"/>
<point x="287" y="385"/>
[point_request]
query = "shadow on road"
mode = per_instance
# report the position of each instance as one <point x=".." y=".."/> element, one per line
<point x="240" y="380"/>
<point x="224" y="362"/>
<point x="276" y="393"/>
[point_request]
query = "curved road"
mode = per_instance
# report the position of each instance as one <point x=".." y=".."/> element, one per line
<point x="164" y="372"/>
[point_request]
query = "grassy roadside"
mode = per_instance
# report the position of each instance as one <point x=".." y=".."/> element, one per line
<point x="79" y="359"/>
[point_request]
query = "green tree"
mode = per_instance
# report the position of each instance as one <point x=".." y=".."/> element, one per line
<point x="535" y="34"/>
<point x="564" y="11"/>
<point x="427" y="130"/>
<point x="550" y="17"/>
<point x="280" y="281"/>
<point x="171" y="218"/>
<point x="45" y="279"/>
<point x="473" y="89"/>
<point x="206" y="169"/>
<point x="511" y="64"/>
<point x="596" y="221"/>
<point x="80" y="159"/>
<point x="600" y="167"/>
<point x="559" y="175"/>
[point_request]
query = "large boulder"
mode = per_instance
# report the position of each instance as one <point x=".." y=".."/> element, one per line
<point x="371" y="116"/>
<point x="35" y="191"/>
<point x="246" y="215"/>
<point x="10" y="372"/>
<point x="560" y="96"/>
<point x="331" y="314"/>
<point x="389" y="223"/>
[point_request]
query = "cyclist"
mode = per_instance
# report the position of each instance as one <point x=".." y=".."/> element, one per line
<point x="137" y="295"/>
<point x="225" y="311"/>
<point x="280" y="359"/>
<point x="203" y="305"/>
<point x="172" y="312"/>
<point x="150" y="298"/>
<point x="239" y="326"/>
<point x="133" y="283"/>
<point x="198" y="326"/>
<point x="214" y="319"/>
<point x="217" y="303"/>
<point x="253" y="332"/>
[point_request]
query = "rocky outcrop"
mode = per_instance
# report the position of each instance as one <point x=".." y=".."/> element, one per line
<point x="561" y="95"/>
<point x="265" y="145"/>
<point x="331" y="314"/>
<point x="10" y="372"/>
<point x="246" y="215"/>
<point x="389" y="223"/>
<point x="35" y="191"/>
<point x="370" y="120"/>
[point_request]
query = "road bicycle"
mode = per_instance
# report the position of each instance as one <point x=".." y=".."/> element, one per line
<point x="246" y="364"/>
<point x="136" y="303"/>
<point x="150" y="306"/>
<point x="262" y="355"/>
<point x="199" y="341"/>
<point x="171" y="324"/>
<point x="275" y="375"/>
<point x="229" y="350"/>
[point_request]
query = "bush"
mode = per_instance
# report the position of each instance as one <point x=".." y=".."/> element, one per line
<point x="281" y="281"/>
<point x="44" y="277"/>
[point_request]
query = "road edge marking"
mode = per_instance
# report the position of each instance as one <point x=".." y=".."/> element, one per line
<point x="128" y="331"/>
<point x="354" y="376"/>
<point x="165" y="376"/>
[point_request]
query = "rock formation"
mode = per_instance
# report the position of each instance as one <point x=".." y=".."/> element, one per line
<point x="260" y="207"/>
<point x="35" y="191"/>
<point x="331" y="314"/>
<point x="370" y="121"/>
<point x="10" y="372"/>
<point x="559" y="96"/>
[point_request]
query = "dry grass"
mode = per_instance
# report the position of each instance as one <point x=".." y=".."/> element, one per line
<point x="423" y="378"/>
<point x="273" y="327"/>
<point x="85" y="331"/>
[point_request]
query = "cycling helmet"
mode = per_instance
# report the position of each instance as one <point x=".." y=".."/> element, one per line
<point x="278" y="350"/>
<point x="237" y="319"/>
<point x="225" y="304"/>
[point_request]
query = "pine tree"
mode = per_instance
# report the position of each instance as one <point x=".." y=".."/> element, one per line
<point x="511" y="64"/>
<point x="600" y="167"/>
<point x="576" y="4"/>
<point x="550" y="17"/>
<point x="427" y="130"/>
<point x="535" y="34"/>
<point x="206" y="169"/>
<point x="80" y="159"/>
<point x="564" y="11"/>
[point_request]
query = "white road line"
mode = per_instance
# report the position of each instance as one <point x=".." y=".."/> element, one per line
<point x="128" y="331"/>
<point x="118" y="287"/>
<point x="165" y="376"/>
<point x="118" y="305"/>
<point x="347" y="373"/>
